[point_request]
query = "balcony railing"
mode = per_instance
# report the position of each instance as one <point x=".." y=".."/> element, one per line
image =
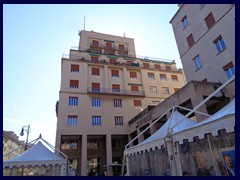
<point x="116" y="91"/>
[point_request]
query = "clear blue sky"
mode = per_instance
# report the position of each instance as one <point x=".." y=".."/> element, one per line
<point x="36" y="36"/>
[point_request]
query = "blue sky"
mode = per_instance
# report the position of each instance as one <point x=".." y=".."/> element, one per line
<point x="36" y="36"/>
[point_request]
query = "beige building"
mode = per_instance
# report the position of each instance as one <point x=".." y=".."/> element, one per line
<point x="10" y="143"/>
<point x="103" y="85"/>
<point x="205" y="36"/>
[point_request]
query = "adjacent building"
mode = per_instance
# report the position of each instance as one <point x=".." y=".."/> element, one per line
<point x="104" y="84"/>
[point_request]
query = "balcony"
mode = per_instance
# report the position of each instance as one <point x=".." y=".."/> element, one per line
<point x="110" y="91"/>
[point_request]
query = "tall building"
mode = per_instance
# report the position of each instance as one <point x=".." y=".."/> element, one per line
<point x="103" y="85"/>
<point x="205" y="36"/>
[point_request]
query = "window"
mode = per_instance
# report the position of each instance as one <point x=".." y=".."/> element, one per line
<point x="95" y="87"/>
<point x="174" y="78"/>
<point x="165" y="90"/>
<point x="117" y="102"/>
<point x="151" y="75"/>
<point x="73" y="101"/>
<point x="229" y="69"/>
<point x="153" y="89"/>
<point x="157" y="66"/>
<point x="96" y="120"/>
<point x="73" y="83"/>
<point x="94" y="58"/>
<point x="129" y="63"/>
<point x="72" y="120"/>
<point x="134" y="89"/>
<point x="118" y="121"/>
<point x="121" y="47"/>
<point x="219" y="43"/>
<point x="210" y="21"/>
<point x="115" y="73"/>
<point x="108" y="45"/>
<point x="190" y="40"/>
<point x="197" y="62"/>
<point x="96" y="102"/>
<point x="95" y="71"/>
<point x="95" y="43"/>
<point x="146" y="65"/>
<point x="163" y="77"/>
<point x="137" y="103"/>
<point x="185" y="21"/>
<point x="176" y="89"/>
<point x="74" y="68"/>
<point x="69" y="144"/>
<point x="115" y="88"/>
<point x="113" y="61"/>
<point x="169" y="68"/>
<point x="133" y="74"/>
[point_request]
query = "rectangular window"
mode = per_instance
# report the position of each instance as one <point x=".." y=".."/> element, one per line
<point x="176" y="89"/>
<point x="113" y="61"/>
<point x="190" y="40"/>
<point x="72" y="120"/>
<point x="74" y="68"/>
<point x="117" y="102"/>
<point x="115" y="73"/>
<point x="210" y="21"/>
<point x="229" y="69"/>
<point x="95" y="87"/>
<point x="96" y="120"/>
<point x="94" y="58"/>
<point x="73" y="83"/>
<point x="133" y="74"/>
<point x="197" y="62"/>
<point x="219" y="43"/>
<point x="166" y="90"/>
<point x="137" y="103"/>
<point x="121" y="47"/>
<point x="108" y="45"/>
<point x="73" y="101"/>
<point x="115" y="88"/>
<point x="129" y="63"/>
<point x="96" y="102"/>
<point x="169" y="68"/>
<point x="153" y="89"/>
<point x="174" y="78"/>
<point x="146" y="65"/>
<point x="157" y="66"/>
<point x="163" y="77"/>
<point x="95" y="43"/>
<point x="185" y="21"/>
<point x="134" y="89"/>
<point x="96" y="71"/>
<point x="118" y="121"/>
<point x="151" y="75"/>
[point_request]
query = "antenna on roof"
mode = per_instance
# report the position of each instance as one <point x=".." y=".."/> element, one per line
<point x="84" y="24"/>
<point x="124" y="34"/>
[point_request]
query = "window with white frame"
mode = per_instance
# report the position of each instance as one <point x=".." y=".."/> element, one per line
<point x="151" y="75"/>
<point x="219" y="43"/>
<point x="117" y="103"/>
<point x="197" y="62"/>
<point x="96" y="120"/>
<point x="73" y="101"/>
<point x="96" y="102"/>
<point x="72" y="120"/>
<point x="229" y="69"/>
<point x="153" y="89"/>
<point x="163" y="77"/>
<point x="118" y="121"/>
<point x="166" y="90"/>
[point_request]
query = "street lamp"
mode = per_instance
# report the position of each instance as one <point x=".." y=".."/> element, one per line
<point x="28" y="130"/>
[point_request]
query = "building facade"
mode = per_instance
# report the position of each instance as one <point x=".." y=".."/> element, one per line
<point x="10" y="143"/>
<point x="205" y="37"/>
<point x="104" y="85"/>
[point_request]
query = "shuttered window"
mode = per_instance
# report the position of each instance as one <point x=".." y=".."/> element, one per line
<point x="115" y="88"/>
<point x="174" y="78"/>
<point x="168" y="68"/>
<point x="74" y="68"/>
<point x="73" y="83"/>
<point x="96" y="71"/>
<point x="157" y="66"/>
<point x="229" y="69"/>
<point x="163" y="77"/>
<point x="146" y="65"/>
<point x="121" y="47"/>
<point x="94" y="58"/>
<point x="151" y="75"/>
<point x="115" y="73"/>
<point x="219" y="43"/>
<point x="134" y="89"/>
<point x="137" y="103"/>
<point x="129" y="63"/>
<point x="113" y="61"/>
<point x="108" y="45"/>
<point x="95" y="43"/>
<point x="96" y="87"/>
<point x="210" y="21"/>
<point x="133" y="74"/>
<point x="190" y="40"/>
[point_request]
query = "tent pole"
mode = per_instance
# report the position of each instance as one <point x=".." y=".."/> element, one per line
<point x="213" y="160"/>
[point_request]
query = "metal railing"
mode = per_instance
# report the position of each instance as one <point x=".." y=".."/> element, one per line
<point x="115" y="91"/>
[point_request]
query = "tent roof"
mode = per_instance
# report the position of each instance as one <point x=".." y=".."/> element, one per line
<point x="223" y="119"/>
<point x="160" y="134"/>
<point x="36" y="155"/>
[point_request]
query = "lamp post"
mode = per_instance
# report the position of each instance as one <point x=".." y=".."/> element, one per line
<point x="28" y="130"/>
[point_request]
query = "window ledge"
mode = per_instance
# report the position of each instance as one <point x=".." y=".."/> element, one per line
<point x="220" y="52"/>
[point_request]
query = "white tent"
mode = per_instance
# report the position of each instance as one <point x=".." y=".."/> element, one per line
<point x="35" y="159"/>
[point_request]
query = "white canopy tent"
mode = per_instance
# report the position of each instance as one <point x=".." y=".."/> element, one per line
<point x="36" y="160"/>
